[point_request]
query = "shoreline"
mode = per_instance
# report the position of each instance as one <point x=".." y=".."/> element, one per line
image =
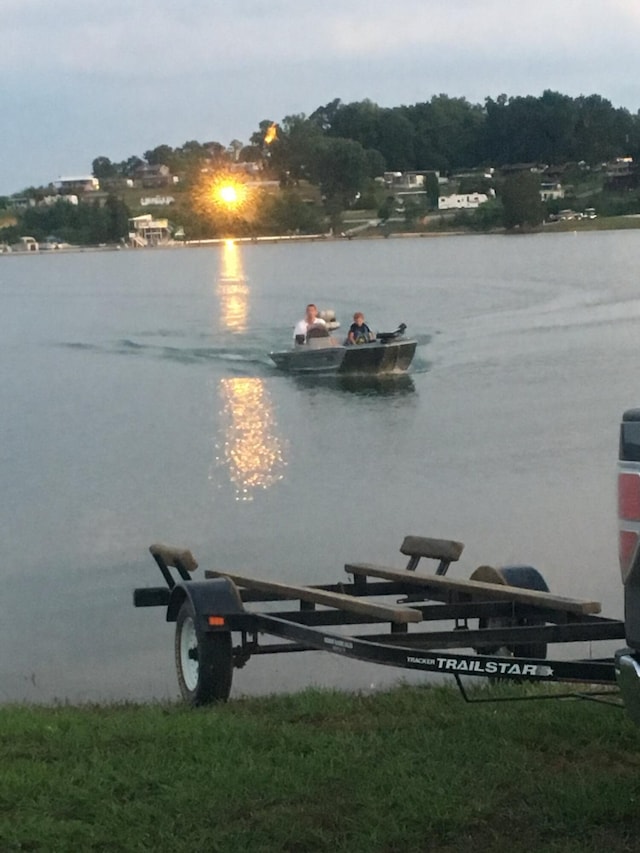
<point x="628" y="223"/>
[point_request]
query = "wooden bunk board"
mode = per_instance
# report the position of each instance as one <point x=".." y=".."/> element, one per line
<point x="477" y="589"/>
<point x="386" y="612"/>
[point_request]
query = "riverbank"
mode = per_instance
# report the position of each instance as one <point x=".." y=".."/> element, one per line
<point x="613" y="223"/>
<point x="413" y="769"/>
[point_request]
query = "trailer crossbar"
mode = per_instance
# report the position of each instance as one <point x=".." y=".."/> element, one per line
<point x="475" y="589"/>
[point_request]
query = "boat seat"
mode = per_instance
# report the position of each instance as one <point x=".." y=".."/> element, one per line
<point x="318" y="331"/>
<point x="445" y="550"/>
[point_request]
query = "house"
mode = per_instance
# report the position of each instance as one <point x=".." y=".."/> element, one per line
<point x="115" y="184"/>
<point x="486" y="173"/>
<point x="619" y="168"/>
<point x="412" y="180"/>
<point x="469" y="201"/>
<point x="156" y="175"/>
<point x="20" y="203"/>
<point x="144" y="230"/>
<point x="80" y="184"/>
<point x="514" y="168"/>
<point x="50" y="200"/>
<point x="551" y="190"/>
<point x="621" y="174"/>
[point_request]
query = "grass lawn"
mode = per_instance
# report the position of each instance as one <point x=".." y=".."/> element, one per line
<point x="414" y="769"/>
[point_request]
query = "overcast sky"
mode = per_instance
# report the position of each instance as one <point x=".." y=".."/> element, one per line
<point x="115" y="77"/>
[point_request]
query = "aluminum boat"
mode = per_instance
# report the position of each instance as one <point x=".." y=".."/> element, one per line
<point x="386" y="353"/>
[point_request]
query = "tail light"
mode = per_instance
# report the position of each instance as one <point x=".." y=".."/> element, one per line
<point x="629" y="491"/>
<point x="628" y="520"/>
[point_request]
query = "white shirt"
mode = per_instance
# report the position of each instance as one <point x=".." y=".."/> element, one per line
<point x="302" y="327"/>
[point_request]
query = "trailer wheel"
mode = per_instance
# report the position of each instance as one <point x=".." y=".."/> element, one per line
<point x="524" y="577"/>
<point x="203" y="660"/>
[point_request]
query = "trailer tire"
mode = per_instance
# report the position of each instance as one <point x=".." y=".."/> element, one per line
<point x="204" y="660"/>
<point x="524" y="577"/>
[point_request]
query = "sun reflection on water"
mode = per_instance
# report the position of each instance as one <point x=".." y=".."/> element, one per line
<point x="232" y="290"/>
<point x="251" y="450"/>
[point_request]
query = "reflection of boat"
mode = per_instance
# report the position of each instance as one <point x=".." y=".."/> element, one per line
<point x="389" y="352"/>
<point x="361" y="385"/>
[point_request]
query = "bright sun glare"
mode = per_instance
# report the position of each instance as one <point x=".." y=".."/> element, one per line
<point x="228" y="194"/>
<point x="223" y="196"/>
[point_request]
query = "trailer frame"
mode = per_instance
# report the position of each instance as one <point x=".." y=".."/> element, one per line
<point x="232" y="617"/>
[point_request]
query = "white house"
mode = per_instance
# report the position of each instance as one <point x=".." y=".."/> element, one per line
<point x="469" y="201"/>
<point x="82" y="183"/>
<point x="144" y="230"/>
<point x="551" y="190"/>
<point x="50" y="200"/>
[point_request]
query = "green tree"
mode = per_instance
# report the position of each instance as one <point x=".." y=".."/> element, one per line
<point x="287" y="213"/>
<point x="340" y="170"/>
<point x="412" y="209"/>
<point x="360" y="121"/>
<point x="521" y="201"/>
<point x="127" y="168"/>
<point x="83" y="224"/>
<point x="387" y="131"/>
<point x="432" y="188"/>
<point x="102" y="168"/>
<point x="386" y="208"/>
<point x="257" y="137"/>
<point x="294" y="151"/>
<point x="117" y="219"/>
<point x="475" y="184"/>
<point x="602" y="132"/>
<point x="369" y="197"/>
<point x="325" y="116"/>
<point x="161" y="155"/>
<point x="376" y="164"/>
<point x="251" y="154"/>
<point x="488" y="216"/>
<point x="447" y="132"/>
<point x="10" y="234"/>
<point x="214" y="151"/>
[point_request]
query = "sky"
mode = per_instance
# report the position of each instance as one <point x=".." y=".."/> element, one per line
<point x="114" y="78"/>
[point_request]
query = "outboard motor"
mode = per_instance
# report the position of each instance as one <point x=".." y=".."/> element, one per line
<point x="628" y="660"/>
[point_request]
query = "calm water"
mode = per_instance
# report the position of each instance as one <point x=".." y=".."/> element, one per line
<point x="138" y="405"/>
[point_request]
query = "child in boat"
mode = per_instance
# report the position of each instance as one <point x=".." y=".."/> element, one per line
<point x="359" y="332"/>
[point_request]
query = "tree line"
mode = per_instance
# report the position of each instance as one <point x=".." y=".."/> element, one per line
<point x="341" y="147"/>
<point x="79" y="224"/>
<point x="443" y="134"/>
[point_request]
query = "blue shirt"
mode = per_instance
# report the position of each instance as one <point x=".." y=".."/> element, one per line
<point x="360" y="333"/>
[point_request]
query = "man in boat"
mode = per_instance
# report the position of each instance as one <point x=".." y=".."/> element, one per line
<point x="310" y="319"/>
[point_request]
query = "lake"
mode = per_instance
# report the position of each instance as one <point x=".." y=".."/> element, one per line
<point x="139" y="405"/>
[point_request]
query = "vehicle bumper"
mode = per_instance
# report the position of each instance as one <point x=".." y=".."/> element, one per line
<point x="627" y="665"/>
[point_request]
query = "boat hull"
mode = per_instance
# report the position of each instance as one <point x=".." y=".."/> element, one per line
<point x="375" y="358"/>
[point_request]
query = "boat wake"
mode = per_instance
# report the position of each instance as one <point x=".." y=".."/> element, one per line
<point x="238" y="359"/>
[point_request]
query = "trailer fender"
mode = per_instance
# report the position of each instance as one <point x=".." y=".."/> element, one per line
<point x="217" y="597"/>
<point x="524" y="577"/>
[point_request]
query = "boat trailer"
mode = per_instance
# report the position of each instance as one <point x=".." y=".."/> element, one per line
<point x="499" y="622"/>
